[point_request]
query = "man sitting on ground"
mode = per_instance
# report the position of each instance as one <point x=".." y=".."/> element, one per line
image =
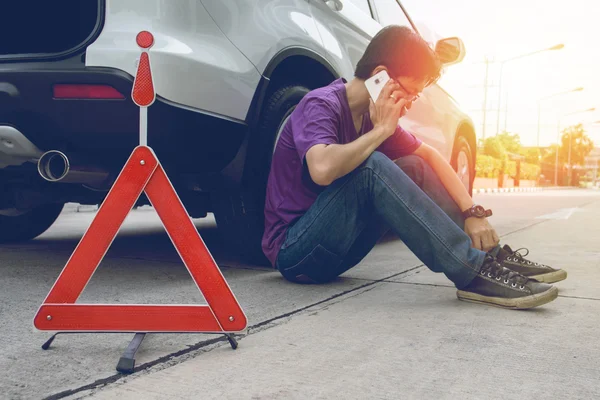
<point x="344" y="172"/>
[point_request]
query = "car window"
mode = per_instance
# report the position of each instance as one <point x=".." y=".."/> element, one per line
<point x="390" y="13"/>
<point x="419" y="12"/>
<point x="363" y="5"/>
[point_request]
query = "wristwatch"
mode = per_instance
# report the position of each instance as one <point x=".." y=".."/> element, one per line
<point x="477" y="211"/>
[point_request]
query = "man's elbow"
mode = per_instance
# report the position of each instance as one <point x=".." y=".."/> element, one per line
<point x="321" y="175"/>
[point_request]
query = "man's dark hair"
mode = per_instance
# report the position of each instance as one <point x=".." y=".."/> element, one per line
<point x="401" y="50"/>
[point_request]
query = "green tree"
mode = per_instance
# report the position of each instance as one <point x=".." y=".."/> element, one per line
<point x="510" y="141"/>
<point x="493" y="147"/>
<point x="532" y="155"/>
<point x="581" y="144"/>
<point x="549" y="156"/>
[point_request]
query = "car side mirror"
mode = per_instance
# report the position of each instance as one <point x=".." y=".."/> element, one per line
<point x="450" y="50"/>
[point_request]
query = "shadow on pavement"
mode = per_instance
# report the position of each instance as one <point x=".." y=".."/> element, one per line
<point x="144" y="240"/>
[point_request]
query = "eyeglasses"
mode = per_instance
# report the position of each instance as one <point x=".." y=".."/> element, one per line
<point x="414" y="98"/>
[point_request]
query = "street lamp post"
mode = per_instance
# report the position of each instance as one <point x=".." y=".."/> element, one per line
<point x="595" y="160"/>
<point x="556" y="47"/>
<point x="579" y="89"/>
<point x="570" y="141"/>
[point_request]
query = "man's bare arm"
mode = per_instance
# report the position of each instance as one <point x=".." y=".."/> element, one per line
<point x="449" y="179"/>
<point x="326" y="163"/>
<point x="482" y="235"/>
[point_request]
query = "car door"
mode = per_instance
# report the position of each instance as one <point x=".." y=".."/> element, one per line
<point x="346" y="28"/>
<point x="426" y="117"/>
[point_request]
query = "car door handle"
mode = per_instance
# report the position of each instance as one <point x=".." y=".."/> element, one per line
<point x="335" y="5"/>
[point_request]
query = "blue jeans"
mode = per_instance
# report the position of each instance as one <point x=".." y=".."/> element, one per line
<point x="354" y="212"/>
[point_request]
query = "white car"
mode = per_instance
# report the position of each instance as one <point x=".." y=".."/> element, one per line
<point x="227" y="74"/>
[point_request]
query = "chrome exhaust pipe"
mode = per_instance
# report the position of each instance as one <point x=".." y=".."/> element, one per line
<point x="55" y="166"/>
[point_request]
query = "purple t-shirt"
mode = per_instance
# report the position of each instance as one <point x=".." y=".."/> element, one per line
<point x="322" y="117"/>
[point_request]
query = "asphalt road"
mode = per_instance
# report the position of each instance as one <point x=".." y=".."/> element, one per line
<point x="143" y="267"/>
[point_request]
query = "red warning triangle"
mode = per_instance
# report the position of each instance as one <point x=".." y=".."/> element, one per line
<point x="142" y="172"/>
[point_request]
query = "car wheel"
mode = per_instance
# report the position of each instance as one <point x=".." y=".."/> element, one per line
<point x="240" y="215"/>
<point x="463" y="164"/>
<point x="29" y="225"/>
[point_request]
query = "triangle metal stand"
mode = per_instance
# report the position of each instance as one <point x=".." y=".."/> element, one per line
<point x="126" y="364"/>
<point x="143" y="95"/>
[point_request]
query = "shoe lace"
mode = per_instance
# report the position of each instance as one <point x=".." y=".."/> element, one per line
<point x="495" y="270"/>
<point x="518" y="257"/>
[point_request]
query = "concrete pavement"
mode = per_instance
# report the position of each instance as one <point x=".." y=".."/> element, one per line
<point x="386" y="304"/>
<point x="409" y="337"/>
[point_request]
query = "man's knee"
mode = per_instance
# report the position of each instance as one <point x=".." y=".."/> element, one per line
<point x="415" y="167"/>
<point x="411" y="161"/>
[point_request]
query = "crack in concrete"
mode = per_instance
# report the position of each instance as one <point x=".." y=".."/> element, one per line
<point x="267" y="324"/>
<point x="452" y="287"/>
<point x="421" y="284"/>
<point x="251" y="330"/>
<point x="543" y="221"/>
<point x="578" y="297"/>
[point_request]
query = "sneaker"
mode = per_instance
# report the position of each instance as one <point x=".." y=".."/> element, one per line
<point x="499" y="286"/>
<point x="516" y="261"/>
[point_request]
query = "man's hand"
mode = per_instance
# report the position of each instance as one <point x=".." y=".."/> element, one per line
<point x="326" y="163"/>
<point x="483" y="236"/>
<point x="389" y="107"/>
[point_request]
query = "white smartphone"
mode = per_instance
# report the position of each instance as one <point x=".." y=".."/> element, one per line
<point x="376" y="83"/>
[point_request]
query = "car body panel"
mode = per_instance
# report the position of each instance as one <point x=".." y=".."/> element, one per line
<point x="261" y="29"/>
<point x="209" y="61"/>
<point x="193" y="63"/>
<point x="345" y="34"/>
<point x="347" y="38"/>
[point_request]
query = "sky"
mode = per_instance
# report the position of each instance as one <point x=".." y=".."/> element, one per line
<point x="500" y="30"/>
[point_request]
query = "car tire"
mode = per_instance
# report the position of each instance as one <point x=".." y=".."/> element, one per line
<point x="240" y="215"/>
<point x="29" y="225"/>
<point x="463" y="162"/>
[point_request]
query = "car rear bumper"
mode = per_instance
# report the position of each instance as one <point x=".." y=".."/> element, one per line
<point x="15" y="148"/>
<point x="106" y="130"/>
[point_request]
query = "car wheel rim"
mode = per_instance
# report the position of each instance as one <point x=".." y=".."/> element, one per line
<point x="463" y="171"/>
